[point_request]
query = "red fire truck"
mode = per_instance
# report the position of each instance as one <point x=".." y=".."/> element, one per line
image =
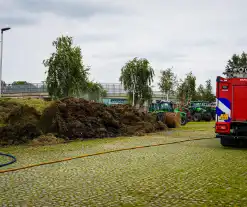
<point x="231" y="111"/>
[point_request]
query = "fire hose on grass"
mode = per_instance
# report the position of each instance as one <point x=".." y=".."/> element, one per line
<point x="93" y="154"/>
<point x="13" y="159"/>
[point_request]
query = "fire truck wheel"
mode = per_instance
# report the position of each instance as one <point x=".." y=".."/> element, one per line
<point x="228" y="142"/>
<point x="242" y="143"/>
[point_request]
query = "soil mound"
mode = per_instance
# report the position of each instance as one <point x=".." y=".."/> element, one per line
<point x="18" y="134"/>
<point x="23" y="115"/>
<point x="78" y="118"/>
<point x="6" y="108"/>
<point x="73" y="118"/>
<point x="21" y="125"/>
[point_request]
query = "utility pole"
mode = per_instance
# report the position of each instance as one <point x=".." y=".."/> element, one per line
<point x="1" y="57"/>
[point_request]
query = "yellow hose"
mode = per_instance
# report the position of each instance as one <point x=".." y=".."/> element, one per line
<point x="98" y="153"/>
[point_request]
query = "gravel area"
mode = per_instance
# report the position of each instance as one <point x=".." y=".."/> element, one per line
<point x="197" y="173"/>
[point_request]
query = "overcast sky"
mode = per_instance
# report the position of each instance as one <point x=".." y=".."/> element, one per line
<point x="188" y="35"/>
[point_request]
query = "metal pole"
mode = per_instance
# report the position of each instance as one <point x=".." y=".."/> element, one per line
<point x="1" y="57"/>
<point x="1" y="64"/>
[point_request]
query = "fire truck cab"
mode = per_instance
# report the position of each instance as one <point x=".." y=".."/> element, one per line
<point x="231" y="111"/>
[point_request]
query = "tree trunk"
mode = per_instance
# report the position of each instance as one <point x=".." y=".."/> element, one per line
<point x="133" y="99"/>
<point x="134" y="89"/>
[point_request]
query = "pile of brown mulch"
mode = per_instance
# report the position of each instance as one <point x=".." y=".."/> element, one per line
<point x="5" y="109"/>
<point x="73" y="118"/>
<point x="78" y="118"/>
<point x="22" y="125"/>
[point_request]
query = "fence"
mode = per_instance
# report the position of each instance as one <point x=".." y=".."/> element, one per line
<point x="25" y="88"/>
<point x="113" y="89"/>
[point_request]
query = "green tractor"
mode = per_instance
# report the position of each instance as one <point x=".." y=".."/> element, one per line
<point x="161" y="106"/>
<point x="201" y="110"/>
<point x="212" y="107"/>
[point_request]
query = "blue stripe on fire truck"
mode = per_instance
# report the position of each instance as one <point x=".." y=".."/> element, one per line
<point x="223" y="107"/>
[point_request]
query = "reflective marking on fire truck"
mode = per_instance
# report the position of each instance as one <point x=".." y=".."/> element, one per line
<point x="223" y="110"/>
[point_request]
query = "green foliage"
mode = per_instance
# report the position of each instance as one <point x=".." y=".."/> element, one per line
<point x="20" y="83"/>
<point x="147" y="96"/>
<point x="137" y="77"/>
<point x="66" y="75"/>
<point x="205" y="93"/>
<point x="209" y="96"/>
<point x="187" y="88"/>
<point x="95" y="91"/>
<point x="200" y="93"/>
<point x="168" y="81"/>
<point x="236" y="61"/>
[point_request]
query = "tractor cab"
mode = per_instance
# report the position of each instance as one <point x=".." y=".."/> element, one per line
<point x="201" y="110"/>
<point x="161" y="105"/>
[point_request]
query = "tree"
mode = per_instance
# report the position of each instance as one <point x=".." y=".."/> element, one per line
<point x="180" y="90"/>
<point x="187" y="88"/>
<point x="167" y="82"/>
<point x="235" y="63"/>
<point x="147" y="95"/>
<point x="200" y="93"/>
<point x="23" y="83"/>
<point x="137" y="77"/>
<point x="20" y="83"/>
<point x="208" y="95"/>
<point x="66" y="75"/>
<point x="96" y="90"/>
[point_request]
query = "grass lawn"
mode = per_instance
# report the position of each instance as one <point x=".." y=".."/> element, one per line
<point x="192" y="173"/>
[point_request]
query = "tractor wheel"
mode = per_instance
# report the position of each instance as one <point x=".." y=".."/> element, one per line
<point x="183" y="121"/>
<point x="207" y="117"/>
<point x="160" y="117"/>
<point x="213" y="116"/>
<point x="190" y="118"/>
<point x="197" y="117"/>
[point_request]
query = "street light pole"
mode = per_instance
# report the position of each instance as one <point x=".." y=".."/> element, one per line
<point x="1" y="57"/>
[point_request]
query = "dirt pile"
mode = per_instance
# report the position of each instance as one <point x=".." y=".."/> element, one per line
<point x="73" y="118"/>
<point x="18" y="134"/>
<point x="5" y="109"/>
<point x="48" y="139"/>
<point x="77" y="118"/>
<point x="23" y="115"/>
<point x="21" y="125"/>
